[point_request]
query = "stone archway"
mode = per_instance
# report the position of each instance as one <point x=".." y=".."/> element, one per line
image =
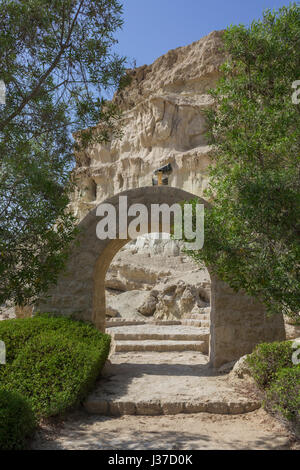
<point x="238" y="322"/>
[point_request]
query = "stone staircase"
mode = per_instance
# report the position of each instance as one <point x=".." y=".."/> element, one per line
<point x="161" y="367"/>
<point x="188" y="334"/>
<point x="197" y="320"/>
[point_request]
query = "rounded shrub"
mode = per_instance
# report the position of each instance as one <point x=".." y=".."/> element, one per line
<point x="52" y="361"/>
<point x="267" y="359"/>
<point x="17" y="421"/>
<point x="56" y="372"/>
<point x="284" y="393"/>
<point x="15" y="333"/>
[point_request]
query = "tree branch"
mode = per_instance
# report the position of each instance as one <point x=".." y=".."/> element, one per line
<point x="36" y="89"/>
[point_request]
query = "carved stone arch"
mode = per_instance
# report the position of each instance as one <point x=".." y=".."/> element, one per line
<point x="238" y="322"/>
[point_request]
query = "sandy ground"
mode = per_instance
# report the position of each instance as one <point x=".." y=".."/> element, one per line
<point x="83" y="431"/>
<point x="255" y="430"/>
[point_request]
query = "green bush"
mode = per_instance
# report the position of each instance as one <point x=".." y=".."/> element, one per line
<point x="267" y="359"/>
<point x="17" y="421"/>
<point x="52" y="361"/>
<point x="284" y="393"/>
<point x="15" y="333"/>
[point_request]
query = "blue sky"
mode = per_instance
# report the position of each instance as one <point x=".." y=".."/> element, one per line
<point x="152" y="27"/>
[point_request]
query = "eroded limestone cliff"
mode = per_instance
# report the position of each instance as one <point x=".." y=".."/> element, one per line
<point x="162" y="122"/>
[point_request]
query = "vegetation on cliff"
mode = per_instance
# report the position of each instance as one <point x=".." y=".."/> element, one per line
<point x="252" y="231"/>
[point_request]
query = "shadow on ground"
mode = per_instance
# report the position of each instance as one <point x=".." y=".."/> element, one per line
<point x="84" y="432"/>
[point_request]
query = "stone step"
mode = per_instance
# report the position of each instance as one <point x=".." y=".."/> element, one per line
<point x="152" y="331"/>
<point x="160" y="336"/>
<point x="205" y="310"/>
<point x="165" y="322"/>
<point x="199" y="316"/>
<point x="160" y="346"/>
<point x="116" y="407"/>
<point x="156" y="383"/>
<point x="196" y="323"/>
<point x="116" y="322"/>
<point x="159" y="333"/>
<point x="120" y="322"/>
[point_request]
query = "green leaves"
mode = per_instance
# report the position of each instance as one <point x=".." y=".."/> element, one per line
<point x="53" y="362"/>
<point x="56" y="62"/>
<point x="17" y="421"/>
<point x="252" y="232"/>
<point x="274" y="372"/>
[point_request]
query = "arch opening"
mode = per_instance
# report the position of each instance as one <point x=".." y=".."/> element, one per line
<point x="237" y="321"/>
<point x="154" y="292"/>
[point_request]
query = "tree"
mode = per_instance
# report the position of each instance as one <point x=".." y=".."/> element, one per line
<point x="56" y="60"/>
<point x="252" y="231"/>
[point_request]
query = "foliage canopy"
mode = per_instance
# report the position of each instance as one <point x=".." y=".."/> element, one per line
<point x="56" y="60"/>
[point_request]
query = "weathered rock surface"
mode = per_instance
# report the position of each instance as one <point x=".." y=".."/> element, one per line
<point x="163" y="122"/>
<point x="125" y="304"/>
<point x="177" y="286"/>
<point x="124" y="275"/>
<point x="292" y="331"/>
<point x="178" y="290"/>
<point x="241" y="369"/>
<point x="181" y="298"/>
<point x="152" y="383"/>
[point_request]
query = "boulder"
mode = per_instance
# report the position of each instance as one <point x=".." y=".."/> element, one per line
<point x="126" y="304"/>
<point x="241" y="369"/>
<point x="149" y="306"/>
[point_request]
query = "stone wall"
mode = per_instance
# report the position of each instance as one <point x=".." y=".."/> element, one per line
<point x="239" y="323"/>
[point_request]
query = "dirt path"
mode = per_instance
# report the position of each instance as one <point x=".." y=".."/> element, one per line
<point x="255" y="430"/>
<point x="161" y="377"/>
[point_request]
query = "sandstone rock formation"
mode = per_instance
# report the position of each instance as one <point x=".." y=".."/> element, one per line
<point x="163" y="122"/>
<point x="126" y="304"/>
<point x="176" y="286"/>
<point x="171" y="300"/>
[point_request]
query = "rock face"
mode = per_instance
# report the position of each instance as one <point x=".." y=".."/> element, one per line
<point x="175" y="286"/>
<point x="126" y="275"/>
<point x="126" y="304"/>
<point x="163" y="122"/>
<point x="178" y="299"/>
<point x="166" y="301"/>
